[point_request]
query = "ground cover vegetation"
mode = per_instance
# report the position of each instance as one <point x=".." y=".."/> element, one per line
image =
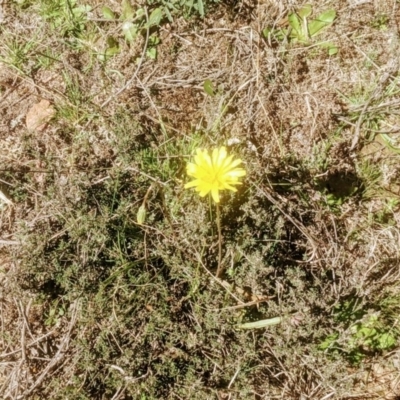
<point x="119" y="283"/>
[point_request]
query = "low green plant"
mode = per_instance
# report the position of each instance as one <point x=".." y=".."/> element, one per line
<point x="184" y="8"/>
<point x="302" y="30"/>
<point x="132" y="24"/>
<point x="386" y="214"/>
<point x="380" y="22"/>
<point x="18" y="52"/>
<point x="66" y="16"/>
<point x="366" y="333"/>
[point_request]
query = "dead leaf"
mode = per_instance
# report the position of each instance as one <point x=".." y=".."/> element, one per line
<point x="39" y="115"/>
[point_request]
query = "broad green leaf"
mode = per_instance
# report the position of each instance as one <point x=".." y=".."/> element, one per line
<point x="112" y="51"/>
<point x="305" y="11"/>
<point x="154" y="40"/>
<point x="127" y="10"/>
<point x="261" y="324"/>
<point x="130" y="31"/>
<point x="200" y="6"/>
<point x="295" y="23"/>
<point x="209" y="87"/>
<point x="386" y="341"/>
<point x="322" y="21"/>
<point x="168" y="14"/>
<point x="112" y="48"/>
<point x="155" y="18"/>
<point x="107" y="13"/>
<point x="140" y="13"/>
<point x="151" y="53"/>
<point x="328" y="341"/>
<point x="332" y="50"/>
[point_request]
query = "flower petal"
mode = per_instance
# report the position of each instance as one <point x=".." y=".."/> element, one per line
<point x="215" y="194"/>
<point x="214" y="172"/>
<point x="192" y="184"/>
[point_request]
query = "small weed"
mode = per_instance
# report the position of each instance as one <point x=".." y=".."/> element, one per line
<point x="65" y="16"/>
<point x="132" y="24"/>
<point x="302" y="30"/>
<point x="185" y="8"/>
<point x="135" y="22"/>
<point x="19" y="53"/>
<point x="366" y="332"/>
<point x="385" y="216"/>
<point x="380" y="22"/>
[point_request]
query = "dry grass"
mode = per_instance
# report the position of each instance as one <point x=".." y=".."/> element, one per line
<point x="94" y="306"/>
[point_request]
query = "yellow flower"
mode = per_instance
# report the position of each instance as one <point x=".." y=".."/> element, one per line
<point x="214" y="173"/>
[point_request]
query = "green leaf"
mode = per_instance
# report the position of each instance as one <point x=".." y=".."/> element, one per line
<point x="386" y="341"/>
<point x="266" y="32"/>
<point x="328" y="341"/>
<point x="107" y="13"/>
<point x="321" y="22"/>
<point x="155" y="18"/>
<point x="295" y="24"/>
<point x="151" y="53"/>
<point x="154" y="40"/>
<point x="209" y="87"/>
<point x="305" y="11"/>
<point x="127" y="10"/>
<point x="332" y="50"/>
<point x="277" y="34"/>
<point x="168" y="14"/>
<point x="130" y="31"/>
<point x="261" y="324"/>
<point x="200" y="6"/>
<point x="140" y="13"/>
<point x="366" y="332"/>
<point x="141" y="215"/>
<point x="111" y="50"/>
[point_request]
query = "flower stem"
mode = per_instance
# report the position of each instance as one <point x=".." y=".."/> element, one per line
<point x="219" y="268"/>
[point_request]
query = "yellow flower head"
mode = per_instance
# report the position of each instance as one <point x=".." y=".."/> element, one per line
<point x="214" y="173"/>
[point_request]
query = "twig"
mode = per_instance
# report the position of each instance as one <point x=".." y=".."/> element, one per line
<point x="391" y="68"/>
<point x="137" y="68"/>
<point x="234" y="377"/>
<point x="296" y="223"/>
<point x="23" y="333"/>
<point x="57" y="358"/>
<point x="27" y="345"/>
<point x="250" y="303"/>
<point x="146" y="175"/>
<point x="9" y="242"/>
<point x="154" y="106"/>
